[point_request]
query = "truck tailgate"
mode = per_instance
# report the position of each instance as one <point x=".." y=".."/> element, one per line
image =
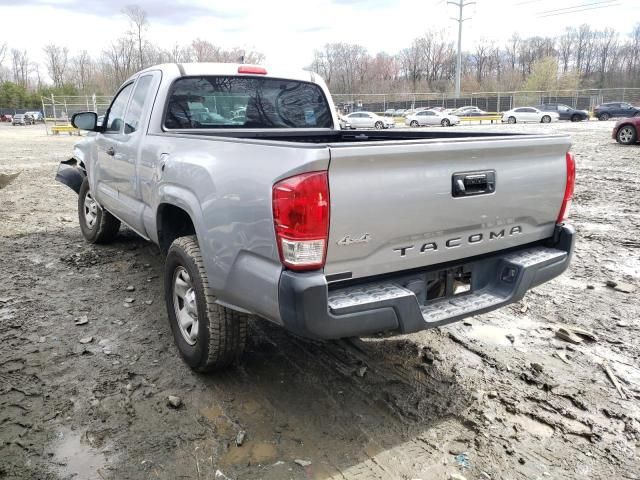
<point x="402" y="205"/>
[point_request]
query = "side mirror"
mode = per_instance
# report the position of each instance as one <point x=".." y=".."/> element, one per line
<point x="85" y="121"/>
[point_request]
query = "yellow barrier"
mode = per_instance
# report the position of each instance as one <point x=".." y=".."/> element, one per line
<point x="70" y="129"/>
<point x="492" y="118"/>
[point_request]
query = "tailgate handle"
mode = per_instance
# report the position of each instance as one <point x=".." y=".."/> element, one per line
<point x="473" y="183"/>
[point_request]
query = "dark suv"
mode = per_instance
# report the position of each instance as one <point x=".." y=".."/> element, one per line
<point x="605" y="111"/>
<point x="565" y="112"/>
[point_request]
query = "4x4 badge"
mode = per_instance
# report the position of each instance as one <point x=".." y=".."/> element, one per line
<point x="348" y="240"/>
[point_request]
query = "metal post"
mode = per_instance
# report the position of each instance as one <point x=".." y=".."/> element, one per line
<point x="53" y="104"/>
<point x="460" y="4"/>
<point x="44" y="113"/>
<point x="93" y="98"/>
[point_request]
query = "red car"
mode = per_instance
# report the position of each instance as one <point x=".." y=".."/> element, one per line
<point x="6" y="118"/>
<point x="626" y="131"/>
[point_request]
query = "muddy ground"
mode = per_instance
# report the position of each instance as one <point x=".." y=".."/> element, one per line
<point x="496" y="397"/>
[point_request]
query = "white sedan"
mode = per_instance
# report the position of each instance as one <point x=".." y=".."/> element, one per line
<point x="369" y="120"/>
<point x="529" y="114"/>
<point x="431" y="117"/>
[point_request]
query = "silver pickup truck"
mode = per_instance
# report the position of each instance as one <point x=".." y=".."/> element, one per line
<point x="263" y="206"/>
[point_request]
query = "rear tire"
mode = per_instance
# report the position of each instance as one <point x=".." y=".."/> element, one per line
<point x="97" y="225"/>
<point x="511" y="120"/>
<point x="545" y="119"/>
<point x="208" y="336"/>
<point x="627" y="135"/>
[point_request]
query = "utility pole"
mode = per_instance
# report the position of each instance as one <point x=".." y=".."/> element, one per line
<point x="460" y="4"/>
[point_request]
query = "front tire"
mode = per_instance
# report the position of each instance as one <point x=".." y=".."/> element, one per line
<point x="576" y="118"/>
<point x="414" y="124"/>
<point x="445" y="122"/>
<point x="511" y="120"/>
<point x="545" y="119"/>
<point x="208" y="336"/>
<point x="604" y="116"/>
<point x="97" y="225"/>
<point x="379" y="125"/>
<point x="627" y="135"/>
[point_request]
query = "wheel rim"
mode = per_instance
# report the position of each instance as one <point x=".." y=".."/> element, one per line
<point x="512" y="120"/>
<point x="378" y="125"/>
<point x="445" y="123"/>
<point x="90" y="211"/>
<point x="625" y="134"/>
<point x="414" y="124"/>
<point x="546" y="119"/>
<point x="185" y="306"/>
<point x="605" y="116"/>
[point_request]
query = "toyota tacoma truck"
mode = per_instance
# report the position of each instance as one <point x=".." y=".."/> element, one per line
<point x="263" y="206"/>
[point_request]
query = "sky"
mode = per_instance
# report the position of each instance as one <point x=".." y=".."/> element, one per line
<point x="288" y="31"/>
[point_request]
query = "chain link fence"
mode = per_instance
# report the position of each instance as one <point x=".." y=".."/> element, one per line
<point x="59" y="109"/>
<point x="584" y="99"/>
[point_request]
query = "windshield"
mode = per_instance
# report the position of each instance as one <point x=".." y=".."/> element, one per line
<point x="246" y="102"/>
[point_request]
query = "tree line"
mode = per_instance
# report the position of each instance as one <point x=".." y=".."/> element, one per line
<point x="581" y="57"/>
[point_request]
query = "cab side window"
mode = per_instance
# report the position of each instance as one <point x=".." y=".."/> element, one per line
<point x="116" y="111"/>
<point x="134" y="112"/>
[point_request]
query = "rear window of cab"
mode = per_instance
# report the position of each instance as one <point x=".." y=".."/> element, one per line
<point x="245" y="102"/>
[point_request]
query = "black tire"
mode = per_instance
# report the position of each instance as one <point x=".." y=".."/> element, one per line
<point x="221" y="332"/>
<point x="511" y="120"/>
<point x="104" y="227"/>
<point x="414" y="124"/>
<point x="604" y="116"/>
<point x="445" y="122"/>
<point x="576" y="118"/>
<point x="545" y="119"/>
<point x="627" y="135"/>
<point x="379" y="125"/>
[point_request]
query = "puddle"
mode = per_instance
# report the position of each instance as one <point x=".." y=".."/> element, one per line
<point x="535" y="428"/>
<point x="75" y="458"/>
<point x="253" y="452"/>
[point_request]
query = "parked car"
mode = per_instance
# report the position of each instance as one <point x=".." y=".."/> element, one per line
<point x="529" y="114"/>
<point x="370" y="120"/>
<point x="22" y="119"/>
<point x="400" y="112"/>
<point x="37" y="116"/>
<point x="626" y="131"/>
<point x="431" y="117"/>
<point x="469" y="111"/>
<point x="565" y="112"/>
<point x="345" y="124"/>
<point x="389" y="112"/>
<point x="6" y="117"/>
<point x="321" y="231"/>
<point x="605" y="111"/>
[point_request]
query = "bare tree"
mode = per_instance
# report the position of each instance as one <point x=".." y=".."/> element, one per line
<point x="56" y="58"/>
<point x="84" y="70"/>
<point x="20" y="67"/>
<point x="139" y="23"/>
<point x="3" y="52"/>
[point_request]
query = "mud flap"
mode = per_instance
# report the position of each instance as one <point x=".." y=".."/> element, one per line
<point x="71" y="174"/>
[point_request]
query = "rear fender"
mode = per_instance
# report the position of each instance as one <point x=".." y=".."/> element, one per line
<point x="71" y="173"/>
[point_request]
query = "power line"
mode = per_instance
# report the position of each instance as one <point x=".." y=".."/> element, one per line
<point x="460" y="4"/>
<point x="591" y="4"/>
<point x="581" y="10"/>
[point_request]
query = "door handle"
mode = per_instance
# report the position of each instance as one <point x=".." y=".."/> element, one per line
<point x="111" y="151"/>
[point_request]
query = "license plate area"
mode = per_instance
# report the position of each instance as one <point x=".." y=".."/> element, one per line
<point x="447" y="283"/>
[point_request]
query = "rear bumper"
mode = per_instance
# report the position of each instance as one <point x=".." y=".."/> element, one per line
<point x="310" y="308"/>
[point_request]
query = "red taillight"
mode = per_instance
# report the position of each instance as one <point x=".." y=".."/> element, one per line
<point x="568" y="189"/>
<point x="301" y="218"/>
<point x="252" y="69"/>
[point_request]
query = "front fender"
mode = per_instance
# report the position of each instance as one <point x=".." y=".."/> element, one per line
<point x="71" y="173"/>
